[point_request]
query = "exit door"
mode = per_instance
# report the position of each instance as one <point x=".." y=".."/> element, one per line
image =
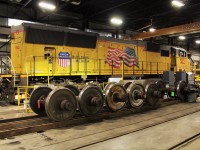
<point x="173" y="57"/>
<point x="50" y="56"/>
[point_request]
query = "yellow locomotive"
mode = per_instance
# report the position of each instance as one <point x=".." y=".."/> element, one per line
<point x="49" y="51"/>
<point x="42" y="52"/>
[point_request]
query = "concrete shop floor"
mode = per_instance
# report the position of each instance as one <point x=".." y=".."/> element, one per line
<point x="8" y="111"/>
<point x="158" y="137"/>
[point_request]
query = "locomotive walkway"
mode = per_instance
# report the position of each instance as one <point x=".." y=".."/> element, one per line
<point x="91" y="134"/>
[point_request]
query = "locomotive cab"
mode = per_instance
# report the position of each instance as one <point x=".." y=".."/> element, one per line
<point x="179" y="60"/>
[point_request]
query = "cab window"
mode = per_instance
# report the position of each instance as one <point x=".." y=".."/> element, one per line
<point x="182" y="53"/>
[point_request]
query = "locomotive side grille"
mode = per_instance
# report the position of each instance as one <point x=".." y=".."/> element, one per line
<point x="39" y="36"/>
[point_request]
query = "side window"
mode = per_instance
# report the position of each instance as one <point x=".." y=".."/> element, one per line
<point x="182" y="53"/>
<point x="164" y="53"/>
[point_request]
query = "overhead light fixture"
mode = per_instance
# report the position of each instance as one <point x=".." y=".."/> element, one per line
<point x="47" y="5"/>
<point x="152" y="29"/>
<point x="116" y="21"/>
<point x="182" y="37"/>
<point x="74" y="2"/>
<point x="197" y="41"/>
<point x="177" y="3"/>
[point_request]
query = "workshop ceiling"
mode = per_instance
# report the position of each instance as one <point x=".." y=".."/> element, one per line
<point x="137" y="15"/>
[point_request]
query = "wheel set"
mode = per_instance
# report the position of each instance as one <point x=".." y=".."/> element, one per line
<point x="61" y="104"/>
<point x="138" y="95"/>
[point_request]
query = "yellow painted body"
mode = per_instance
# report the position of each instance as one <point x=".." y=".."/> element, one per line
<point x="183" y="64"/>
<point x="28" y="59"/>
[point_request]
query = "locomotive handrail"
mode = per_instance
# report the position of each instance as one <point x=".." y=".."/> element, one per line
<point x="98" y="59"/>
<point x="27" y="81"/>
<point x="24" y="90"/>
<point x="12" y="69"/>
<point x="82" y="66"/>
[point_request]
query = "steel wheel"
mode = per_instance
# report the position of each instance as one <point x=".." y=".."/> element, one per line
<point x="116" y="97"/>
<point x="37" y="99"/>
<point x="161" y="86"/>
<point x="136" y="94"/>
<point x="61" y="104"/>
<point x="182" y="91"/>
<point x="90" y="100"/>
<point x="108" y="85"/>
<point x="73" y="88"/>
<point x="126" y="85"/>
<point x="153" y="94"/>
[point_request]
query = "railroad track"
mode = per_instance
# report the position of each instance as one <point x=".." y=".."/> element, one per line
<point x="38" y="124"/>
<point x="19" y="119"/>
<point x="185" y="142"/>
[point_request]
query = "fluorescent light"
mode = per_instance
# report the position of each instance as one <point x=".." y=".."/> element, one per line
<point x="74" y="2"/>
<point x="182" y="37"/>
<point x="197" y="41"/>
<point x="177" y="3"/>
<point x="47" y="6"/>
<point x="152" y="29"/>
<point x="116" y="21"/>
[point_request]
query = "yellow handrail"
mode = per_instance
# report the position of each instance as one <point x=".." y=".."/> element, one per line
<point x="24" y="90"/>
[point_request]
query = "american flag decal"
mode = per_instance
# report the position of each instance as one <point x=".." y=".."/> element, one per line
<point x="115" y="57"/>
<point x="130" y="59"/>
<point x="64" y="59"/>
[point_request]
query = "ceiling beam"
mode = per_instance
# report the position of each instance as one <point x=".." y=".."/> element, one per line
<point x="20" y="8"/>
<point x="111" y="8"/>
<point x="8" y="9"/>
<point x="180" y="29"/>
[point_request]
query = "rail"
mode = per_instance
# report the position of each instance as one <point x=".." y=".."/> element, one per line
<point x="196" y="74"/>
<point x="27" y="73"/>
<point x="85" y="66"/>
<point x="23" y="94"/>
<point x="195" y="70"/>
<point x="7" y="68"/>
<point x="12" y="70"/>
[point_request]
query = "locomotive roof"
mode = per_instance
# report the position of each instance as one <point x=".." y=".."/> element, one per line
<point x="41" y="26"/>
<point x="25" y="26"/>
<point x="56" y="28"/>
